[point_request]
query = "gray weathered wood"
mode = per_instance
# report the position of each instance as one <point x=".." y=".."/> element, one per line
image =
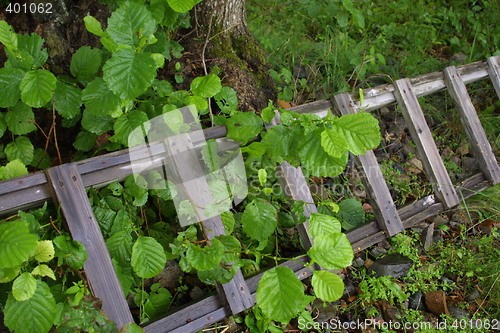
<point x="295" y="186"/>
<point x="426" y="146"/>
<point x="70" y="193"/>
<point x="494" y="72"/>
<point x="373" y="180"/>
<point x="481" y="148"/>
<point x="184" y="163"/>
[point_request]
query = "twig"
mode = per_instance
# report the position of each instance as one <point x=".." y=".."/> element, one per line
<point x="55" y="133"/>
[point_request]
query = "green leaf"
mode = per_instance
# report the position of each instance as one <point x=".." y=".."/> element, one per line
<point x="67" y="100"/>
<point x="96" y="123"/>
<point x="148" y="257"/>
<point x="34" y="315"/>
<point x="262" y="173"/>
<point x="268" y="113"/>
<point x="99" y="100"/>
<point x="16" y="243"/>
<point x="351" y="213"/>
<point x="10" y="78"/>
<point x="244" y="126"/>
<point x="120" y="246"/>
<point x="20" y="119"/>
<point x="227" y="100"/>
<point x="128" y="74"/>
<point x="3" y="128"/>
<point x="43" y="270"/>
<point x="130" y="22"/>
<point x="93" y="26"/>
<point x="278" y="143"/>
<point x="8" y="37"/>
<point x="181" y="6"/>
<point x="8" y="274"/>
<point x="85" y="141"/>
<point x="13" y="169"/>
<point x="20" y="149"/>
<point x="126" y="123"/>
<point x="138" y="193"/>
<point x="33" y="45"/>
<point x="318" y="162"/>
<point x="332" y="251"/>
<point x="37" y="87"/>
<point x="228" y="221"/>
<point x="85" y="63"/>
<point x="327" y="285"/>
<point x="24" y="287"/>
<point x="280" y="295"/>
<point x="71" y="251"/>
<point x="19" y="59"/>
<point x="333" y="142"/>
<point x="259" y="219"/>
<point x="41" y="159"/>
<point x="206" y="86"/>
<point x="205" y="258"/>
<point x="320" y="224"/>
<point x="44" y="251"/>
<point x="157" y="303"/>
<point x="361" y="131"/>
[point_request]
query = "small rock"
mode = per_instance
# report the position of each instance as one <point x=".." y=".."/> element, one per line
<point x="440" y="219"/>
<point x="427" y="237"/>
<point x="407" y="150"/>
<point x="470" y="164"/>
<point x="435" y="301"/>
<point x="368" y="263"/>
<point x="460" y="216"/>
<point x="446" y="152"/>
<point x="326" y="311"/>
<point x="474" y="295"/>
<point x="232" y="326"/>
<point x="349" y="289"/>
<point x="463" y="148"/>
<point x="390" y="314"/>
<point x="358" y="262"/>
<point x="455" y="159"/>
<point x="169" y="276"/>
<point x="438" y="236"/>
<point x="416" y="301"/>
<point x="416" y="164"/>
<point x="459" y="58"/>
<point x="378" y="251"/>
<point x="196" y="293"/>
<point x="394" y="264"/>
<point x="457" y="312"/>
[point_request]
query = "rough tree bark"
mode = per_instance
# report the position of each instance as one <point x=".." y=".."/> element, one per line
<point x="227" y="43"/>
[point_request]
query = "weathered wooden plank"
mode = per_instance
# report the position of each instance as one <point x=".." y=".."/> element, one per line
<point x="295" y="186"/>
<point x="494" y="72"/>
<point x="70" y="193"/>
<point x="481" y="148"/>
<point x="372" y="178"/>
<point x="426" y="146"/>
<point x="187" y="170"/>
<point x="382" y="95"/>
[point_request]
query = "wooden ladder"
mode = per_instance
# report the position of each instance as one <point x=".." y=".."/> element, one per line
<point x="66" y="185"/>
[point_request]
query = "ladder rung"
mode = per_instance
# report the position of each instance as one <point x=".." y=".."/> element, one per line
<point x="426" y="146"/>
<point x="477" y="137"/>
<point x="373" y="180"/>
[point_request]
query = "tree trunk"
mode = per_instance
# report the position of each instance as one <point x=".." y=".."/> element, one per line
<point x="227" y="45"/>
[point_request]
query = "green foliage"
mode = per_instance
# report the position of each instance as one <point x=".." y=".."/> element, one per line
<point x="148" y="257"/>
<point x="373" y="289"/>
<point x="280" y="295"/>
